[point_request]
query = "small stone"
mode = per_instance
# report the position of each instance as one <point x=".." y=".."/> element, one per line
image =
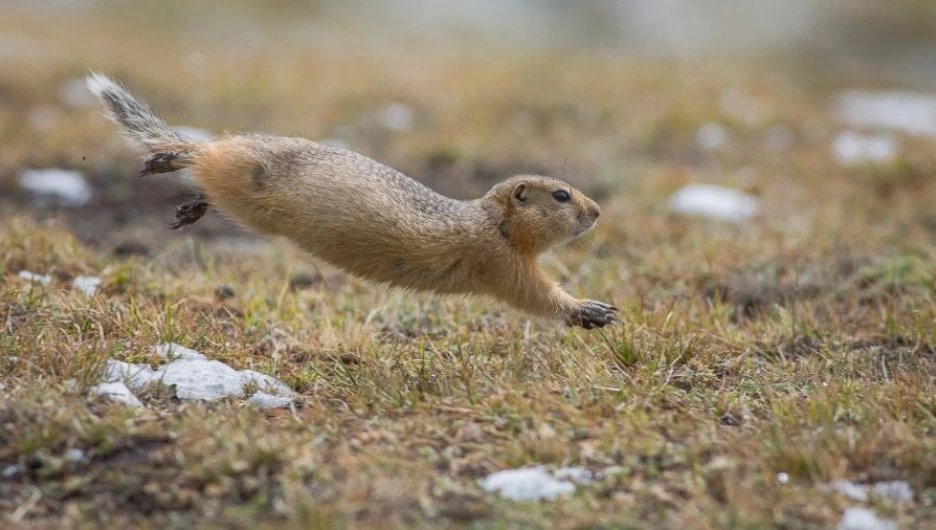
<point x="302" y="280"/>
<point x="10" y="471"/>
<point x="396" y="116"/>
<point x="852" y="148"/>
<point x="575" y="474"/>
<point x="730" y="420"/>
<point x="57" y="186"/>
<point x="34" y="461"/>
<point x="783" y="478"/>
<point x="131" y="248"/>
<point x="224" y="292"/>
<point x="269" y="401"/>
<point x="198" y="379"/>
<point x="896" y="490"/>
<point x="136" y="376"/>
<point x="42" y="279"/>
<point x="172" y="351"/>
<point x="864" y="519"/>
<point x="527" y="484"/>
<point x="86" y="284"/>
<point x="74" y="455"/>
<point x="265" y="383"/>
<point x="715" y="202"/>
<point x="905" y="111"/>
<point x="117" y="392"/>
<point x="711" y="136"/>
<point x="194" y="377"/>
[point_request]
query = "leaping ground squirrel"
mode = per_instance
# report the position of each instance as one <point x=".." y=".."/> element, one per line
<point x="371" y="220"/>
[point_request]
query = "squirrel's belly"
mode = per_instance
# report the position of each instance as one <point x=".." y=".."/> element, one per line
<point x="375" y="260"/>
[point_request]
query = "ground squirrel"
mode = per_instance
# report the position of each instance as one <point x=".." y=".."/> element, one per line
<point x="371" y="220"/>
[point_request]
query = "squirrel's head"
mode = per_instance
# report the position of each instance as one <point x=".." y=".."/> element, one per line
<point x="540" y="212"/>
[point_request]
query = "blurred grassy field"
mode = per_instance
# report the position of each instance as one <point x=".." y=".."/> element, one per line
<point x="799" y="343"/>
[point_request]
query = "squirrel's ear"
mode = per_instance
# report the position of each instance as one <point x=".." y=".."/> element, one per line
<point x="520" y="192"/>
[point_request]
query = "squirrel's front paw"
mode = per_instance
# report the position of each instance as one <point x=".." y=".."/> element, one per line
<point x="592" y="314"/>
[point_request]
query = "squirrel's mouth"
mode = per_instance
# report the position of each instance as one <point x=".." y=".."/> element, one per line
<point x="586" y="228"/>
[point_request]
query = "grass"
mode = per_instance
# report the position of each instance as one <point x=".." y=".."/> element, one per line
<point x="802" y="343"/>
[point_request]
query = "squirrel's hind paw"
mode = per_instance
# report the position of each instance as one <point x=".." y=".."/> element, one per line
<point x="190" y="212"/>
<point x="165" y="163"/>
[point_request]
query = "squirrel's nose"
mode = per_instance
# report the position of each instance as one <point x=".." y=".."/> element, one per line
<point x="594" y="210"/>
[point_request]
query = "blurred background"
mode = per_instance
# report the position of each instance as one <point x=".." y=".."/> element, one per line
<point x="777" y="99"/>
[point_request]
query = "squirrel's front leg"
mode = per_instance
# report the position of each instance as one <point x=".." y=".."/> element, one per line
<point x="546" y="298"/>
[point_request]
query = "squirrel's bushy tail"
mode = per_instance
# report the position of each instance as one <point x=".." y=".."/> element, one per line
<point x="165" y="148"/>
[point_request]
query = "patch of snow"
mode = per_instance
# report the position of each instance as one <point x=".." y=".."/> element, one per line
<point x="396" y="116"/>
<point x="715" y="202"/>
<point x="864" y="519"/>
<point x="61" y="186"/>
<point x="527" y="484"/>
<point x="909" y="112"/>
<point x="86" y="284"/>
<point x="43" y="279"/>
<point x="855" y="148"/>
<point x="269" y="401"/>
<point x="194" y="133"/>
<point x="711" y="136"/>
<point x="896" y="490"/>
<point x="75" y="94"/>
<point x="74" y="455"/>
<point x="172" y="351"/>
<point x="10" y="471"/>
<point x="783" y="478"/>
<point x="117" y="392"/>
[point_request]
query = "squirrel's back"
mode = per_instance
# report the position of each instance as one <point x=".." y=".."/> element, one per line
<point x="342" y="206"/>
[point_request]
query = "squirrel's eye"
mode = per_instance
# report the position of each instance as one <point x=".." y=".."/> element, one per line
<point x="561" y="196"/>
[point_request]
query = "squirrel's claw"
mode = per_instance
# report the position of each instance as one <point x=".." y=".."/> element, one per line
<point x="592" y="314"/>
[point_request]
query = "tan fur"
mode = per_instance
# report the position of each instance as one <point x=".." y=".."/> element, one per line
<point x="383" y="226"/>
